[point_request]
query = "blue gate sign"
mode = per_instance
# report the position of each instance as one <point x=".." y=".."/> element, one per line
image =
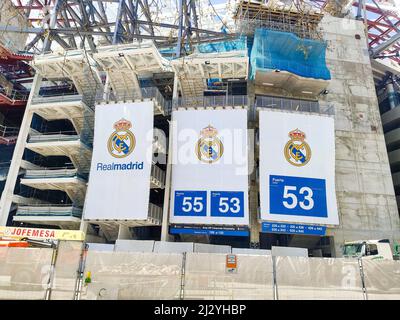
<point x="227" y="204"/>
<point x="209" y="230"/>
<point x="297" y="196"/>
<point x="190" y="203"/>
<point x="272" y="227"/>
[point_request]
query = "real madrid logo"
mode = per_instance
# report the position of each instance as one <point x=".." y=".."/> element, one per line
<point x="297" y="151"/>
<point x="122" y="141"/>
<point x="209" y="147"/>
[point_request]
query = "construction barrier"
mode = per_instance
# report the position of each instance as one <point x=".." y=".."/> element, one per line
<point x="25" y="273"/>
<point x="131" y="276"/>
<point x="65" y="276"/>
<point x="382" y="279"/>
<point x="206" y="277"/>
<point x="300" y="278"/>
<point x="69" y="271"/>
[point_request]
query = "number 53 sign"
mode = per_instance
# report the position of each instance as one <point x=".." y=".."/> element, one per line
<point x="297" y="196"/>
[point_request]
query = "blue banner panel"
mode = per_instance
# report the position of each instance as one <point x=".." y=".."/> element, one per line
<point x="209" y="230"/>
<point x="282" y="50"/>
<point x="297" y="196"/>
<point x="272" y="227"/>
<point x="227" y="204"/>
<point x="190" y="203"/>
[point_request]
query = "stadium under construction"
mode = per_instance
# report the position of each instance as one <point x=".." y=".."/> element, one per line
<point x="249" y="124"/>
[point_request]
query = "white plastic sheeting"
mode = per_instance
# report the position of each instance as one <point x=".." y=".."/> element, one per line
<point x="251" y="251"/>
<point x="289" y="252"/>
<point x="300" y="278"/>
<point x="172" y="247"/>
<point x="382" y="279"/>
<point x="66" y="270"/>
<point x="134" y="245"/>
<point x="24" y="273"/>
<point x="100" y="247"/>
<point x="132" y="276"/>
<point x="206" y="277"/>
<point x="211" y="248"/>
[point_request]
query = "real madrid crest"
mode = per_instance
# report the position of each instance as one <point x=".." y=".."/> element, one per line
<point x="297" y="152"/>
<point x="209" y="147"/>
<point x="122" y="141"/>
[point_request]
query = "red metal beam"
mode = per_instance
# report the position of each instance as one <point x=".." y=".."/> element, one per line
<point x="377" y="11"/>
<point x="381" y="25"/>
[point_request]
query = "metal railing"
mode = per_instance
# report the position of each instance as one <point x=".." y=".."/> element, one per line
<point x="5" y="164"/>
<point x="146" y="93"/>
<point x="154" y="93"/>
<point x="53" y="98"/>
<point x="158" y="174"/>
<point x="54" y="136"/>
<point x="212" y="101"/>
<point x="52" y="210"/>
<point x="385" y="95"/>
<point x="287" y="104"/>
<point x="86" y="137"/>
<point x="4" y="168"/>
<point x="155" y="213"/>
<point x="14" y="95"/>
<point x="64" y="172"/>
<point x="6" y="131"/>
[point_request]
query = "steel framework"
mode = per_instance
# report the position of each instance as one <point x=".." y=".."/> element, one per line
<point x="382" y="21"/>
<point x="78" y="23"/>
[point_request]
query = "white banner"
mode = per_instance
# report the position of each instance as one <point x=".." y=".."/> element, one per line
<point x="119" y="183"/>
<point x="297" y="168"/>
<point x="210" y="168"/>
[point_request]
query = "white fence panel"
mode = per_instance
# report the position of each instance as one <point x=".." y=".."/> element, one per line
<point x="66" y="270"/>
<point x="206" y="277"/>
<point x="300" y="278"/>
<point x="382" y="279"/>
<point x="132" y="276"/>
<point x="24" y="273"/>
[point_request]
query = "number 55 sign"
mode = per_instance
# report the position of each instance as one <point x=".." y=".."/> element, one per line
<point x="223" y="204"/>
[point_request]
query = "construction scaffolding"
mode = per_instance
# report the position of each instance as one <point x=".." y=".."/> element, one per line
<point x="300" y="20"/>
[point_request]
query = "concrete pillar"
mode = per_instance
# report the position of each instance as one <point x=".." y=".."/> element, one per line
<point x="124" y="233"/>
<point x="165" y="236"/>
<point x="84" y="226"/>
<point x="8" y="192"/>
<point x="255" y="227"/>
<point x="165" y="219"/>
<point x="335" y="252"/>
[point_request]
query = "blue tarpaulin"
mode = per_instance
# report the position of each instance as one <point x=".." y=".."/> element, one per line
<point x="211" y="47"/>
<point x="223" y="46"/>
<point x="285" y="51"/>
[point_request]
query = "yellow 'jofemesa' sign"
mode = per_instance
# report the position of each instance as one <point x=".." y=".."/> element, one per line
<point x="42" y="234"/>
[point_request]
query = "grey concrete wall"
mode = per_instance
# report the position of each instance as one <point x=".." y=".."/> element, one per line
<point x="365" y="194"/>
<point x="9" y="16"/>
